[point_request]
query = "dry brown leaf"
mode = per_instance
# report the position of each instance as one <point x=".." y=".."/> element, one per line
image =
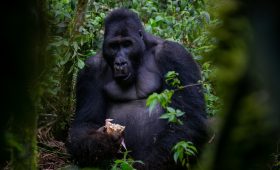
<point x="112" y="128"/>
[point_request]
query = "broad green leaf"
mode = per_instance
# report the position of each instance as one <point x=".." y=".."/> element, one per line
<point x="152" y="106"/>
<point x="181" y="155"/>
<point x="172" y="118"/>
<point x="114" y="167"/>
<point x="184" y="145"/>
<point x="80" y="63"/>
<point x="190" y="152"/>
<point x="164" y="116"/>
<point x="175" y="156"/>
<point x="151" y="98"/>
<point x="75" y="45"/>
<point x="126" y="166"/>
<point x="118" y="161"/>
<point x="179" y="113"/>
<point x="170" y="109"/>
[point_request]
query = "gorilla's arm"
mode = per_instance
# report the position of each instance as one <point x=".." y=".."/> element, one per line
<point x="86" y="143"/>
<point x="172" y="56"/>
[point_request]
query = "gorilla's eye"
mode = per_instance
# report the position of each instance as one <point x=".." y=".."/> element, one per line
<point x="114" y="46"/>
<point x="127" y="43"/>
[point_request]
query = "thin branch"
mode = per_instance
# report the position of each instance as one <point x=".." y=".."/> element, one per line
<point x="186" y="86"/>
<point x="212" y="138"/>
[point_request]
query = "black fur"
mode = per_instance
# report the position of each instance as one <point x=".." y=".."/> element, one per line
<point x="102" y="93"/>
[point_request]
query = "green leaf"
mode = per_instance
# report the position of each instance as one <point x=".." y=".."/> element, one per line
<point x="172" y="118"/>
<point x="118" y="161"/>
<point x="170" y="109"/>
<point x="152" y="106"/>
<point x="152" y="101"/>
<point x="179" y="113"/>
<point x="75" y="45"/>
<point x="171" y="74"/>
<point x="190" y="152"/>
<point x="159" y="18"/>
<point x="181" y="155"/>
<point x="164" y="116"/>
<point x="171" y="78"/>
<point x="151" y="98"/>
<point x="184" y="145"/>
<point x="126" y="166"/>
<point x="114" y="167"/>
<point x="180" y="122"/>
<point x="175" y="156"/>
<point x="80" y="64"/>
<point x="64" y="59"/>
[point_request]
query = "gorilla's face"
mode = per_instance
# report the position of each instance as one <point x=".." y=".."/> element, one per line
<point x="123" y="49"/>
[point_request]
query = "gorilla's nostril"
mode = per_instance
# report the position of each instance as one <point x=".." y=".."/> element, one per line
<point x="120" y="62"/>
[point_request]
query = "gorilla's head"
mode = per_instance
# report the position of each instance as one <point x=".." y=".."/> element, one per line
<point x="123" y="45"/>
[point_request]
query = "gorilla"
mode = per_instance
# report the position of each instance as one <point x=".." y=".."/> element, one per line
<point x="116" y="83"/>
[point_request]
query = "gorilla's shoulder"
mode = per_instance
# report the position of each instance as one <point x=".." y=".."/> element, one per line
<point x="171" y="50"/>
<point x="95" y="66"/>
<point x="172" y="46"/>
<point x="95" y="62"/>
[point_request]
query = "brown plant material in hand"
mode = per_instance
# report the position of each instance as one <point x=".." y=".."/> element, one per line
<point x="112" y="128"/>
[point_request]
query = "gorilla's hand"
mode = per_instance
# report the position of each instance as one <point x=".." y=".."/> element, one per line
<point x="111" y="141"/>
<point x="116" y="137"/>
<point x="93" y="146"/>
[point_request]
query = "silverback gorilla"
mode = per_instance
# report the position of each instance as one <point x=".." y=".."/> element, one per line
<point x="116" y="83"/>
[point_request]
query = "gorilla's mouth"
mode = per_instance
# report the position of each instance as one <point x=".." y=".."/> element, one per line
<point x="123" y="77"/>
<point x="122" y="73"/>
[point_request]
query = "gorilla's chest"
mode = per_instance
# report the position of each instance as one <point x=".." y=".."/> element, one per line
<point x="142" y="127"/>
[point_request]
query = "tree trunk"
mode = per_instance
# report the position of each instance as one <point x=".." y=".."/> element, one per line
<point x="24" y="41"/>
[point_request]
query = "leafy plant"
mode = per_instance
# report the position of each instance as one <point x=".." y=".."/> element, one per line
<point x="212" y="100"/>
<point x="125" y="163"/>
<point x="173" y="115"/>
<point x="163" y="99"/>
<point x="182" y="151"/>
<point x="171" y="78"/>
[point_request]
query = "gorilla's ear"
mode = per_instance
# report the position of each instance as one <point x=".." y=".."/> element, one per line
<point x="141" y="34"/>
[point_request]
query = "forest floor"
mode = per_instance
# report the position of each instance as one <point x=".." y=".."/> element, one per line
<point x="52" y="153"/>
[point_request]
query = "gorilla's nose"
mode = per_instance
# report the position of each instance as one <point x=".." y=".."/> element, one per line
<point x="120" y="67"/>
<point x="120" y="62"/>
